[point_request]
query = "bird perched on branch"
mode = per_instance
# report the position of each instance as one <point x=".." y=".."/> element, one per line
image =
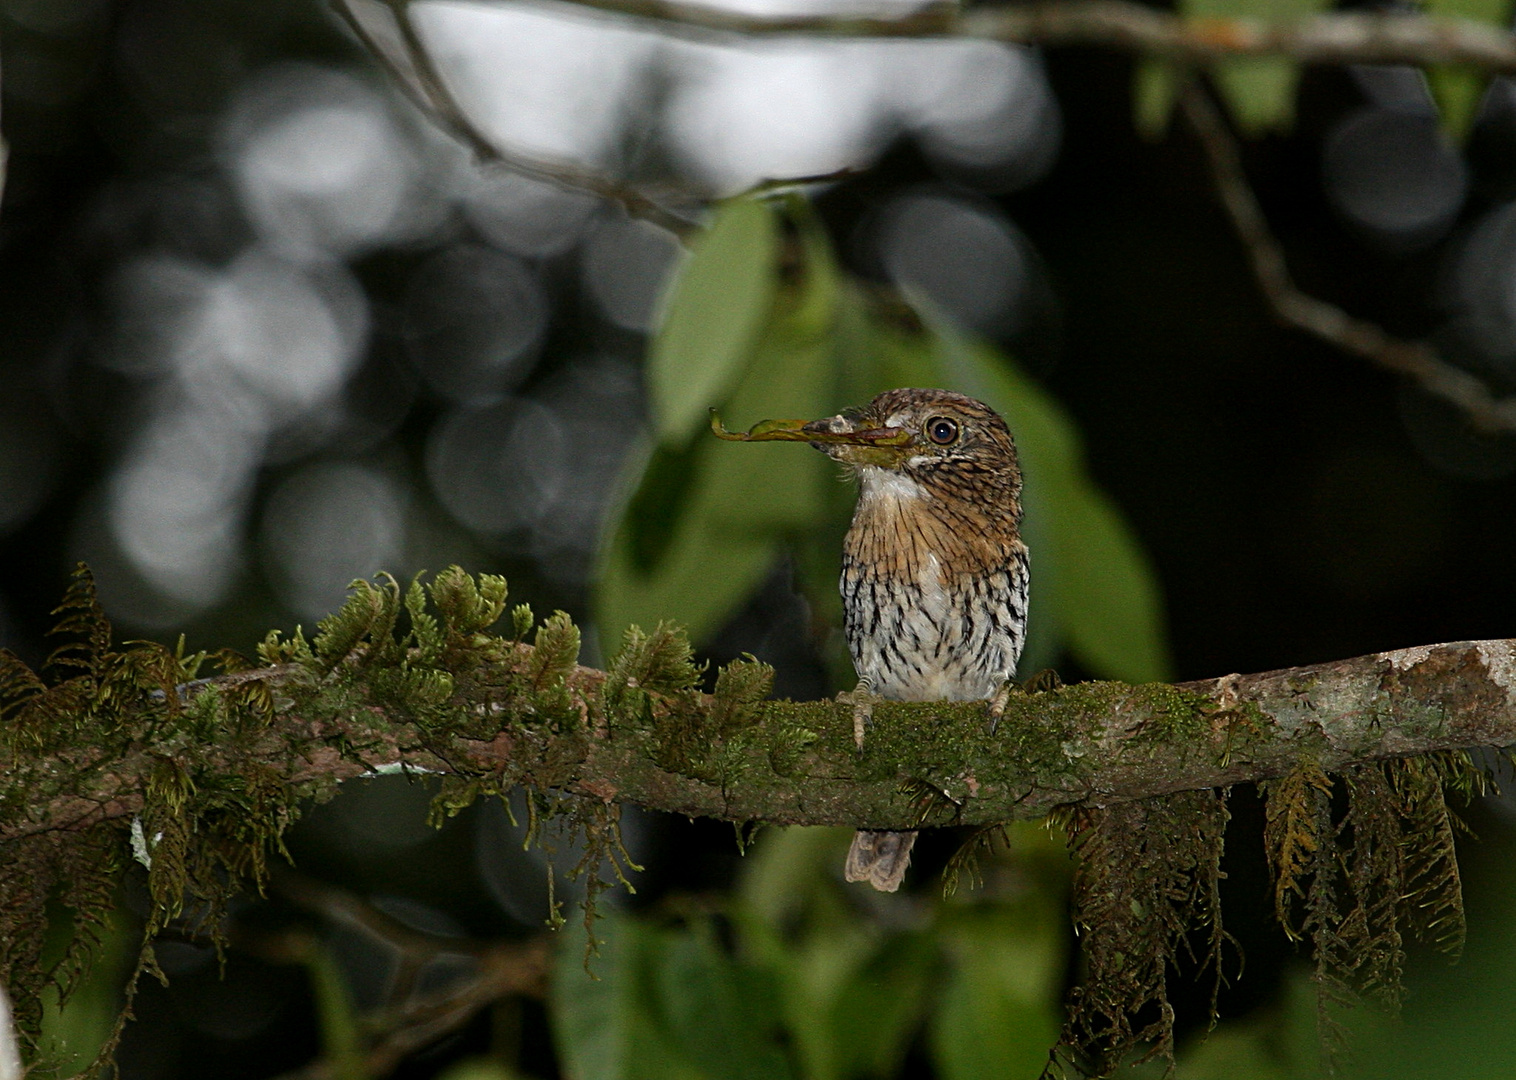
<point x="934" y="571"/>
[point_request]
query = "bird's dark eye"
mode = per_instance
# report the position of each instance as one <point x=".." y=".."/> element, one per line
<point x="941" y="430"/>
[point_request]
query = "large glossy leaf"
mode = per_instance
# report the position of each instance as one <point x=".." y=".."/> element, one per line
<point x="1155" y="88"/>
<point x="1108" y="602"/>
<point x="1086" y="564"/>
<point x="72" y="1034"/>
<point x="851" y="993"/>
<point x="1260" y="91"/>
<point x="703" y="574"/>
<point x="1458" y="92"/>
<point x="715" y="310"/>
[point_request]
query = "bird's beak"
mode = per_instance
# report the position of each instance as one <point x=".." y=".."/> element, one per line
<point x="846" y="438"/>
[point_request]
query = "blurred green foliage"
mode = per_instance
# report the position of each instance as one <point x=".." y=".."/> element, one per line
<point x="702" y="523"/>
<point x="74" y="1031"/>
<point x="1459" y="90"/>
<point x="796" y="975"/>
<point x="1260" y="90"/>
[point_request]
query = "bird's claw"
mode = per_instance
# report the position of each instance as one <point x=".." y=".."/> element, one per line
<point x="998" y="703"/>
<point x="862" y="699"/>
<point x="1045" y="680"/>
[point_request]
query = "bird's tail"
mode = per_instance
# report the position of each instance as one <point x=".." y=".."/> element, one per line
<point x="879" y="857"/>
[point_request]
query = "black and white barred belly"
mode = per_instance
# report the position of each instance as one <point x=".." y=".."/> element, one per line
<point x="936" y="635"/>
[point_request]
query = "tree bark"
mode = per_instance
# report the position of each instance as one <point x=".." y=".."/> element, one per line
<point x="796" y="762"/>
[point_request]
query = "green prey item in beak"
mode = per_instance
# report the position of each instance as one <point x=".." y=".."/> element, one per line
<point x="812" y="431"/>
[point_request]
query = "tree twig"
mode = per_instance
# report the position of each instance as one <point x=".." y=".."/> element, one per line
<point x="416" y="75"/>
<point x="406" y="1021"/>
<point x="1414" y="359"/>
<point x="1339" y="37"/>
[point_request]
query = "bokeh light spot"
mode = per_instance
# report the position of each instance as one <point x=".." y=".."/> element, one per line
<point x="741" y="115"/>
<point x="965" y="258"/>
<point x="540" y="82"/>
<point x="320" y="164"/>
<point x="627" y="266"/>
<point x="498" y="469"/>
<point x="1394" y="175"/>
<point x="326" y="524"/>
<point x="473" y="319"/>
<point x="524" y="216"/>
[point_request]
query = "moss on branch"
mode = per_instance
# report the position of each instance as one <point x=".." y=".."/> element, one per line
<point x="110" y="753"/>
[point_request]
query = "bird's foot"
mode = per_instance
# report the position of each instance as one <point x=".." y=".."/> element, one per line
<point x="862" y="698"/>
<point x="1044" y="680"/>
<point x="998" y="703"/>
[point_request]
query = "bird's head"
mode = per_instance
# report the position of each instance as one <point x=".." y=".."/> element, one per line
<point x="944" y="441"/>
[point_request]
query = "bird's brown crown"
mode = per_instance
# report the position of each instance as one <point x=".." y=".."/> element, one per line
<point x="951" y="444"/>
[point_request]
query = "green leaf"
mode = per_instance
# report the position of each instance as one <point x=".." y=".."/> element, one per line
<point x="72" y="1034"/>
<point x="878" y="1008"/>
<point x="1259" y="90"/>
<point x="479" y="1068"/>
<point x="1256" y="11"/>
<point x="1087" y="567"/>
<point x="1496" y="13"/>
<point x="1109" y="607"/>
<point x="708" y="519"/>
<point x="341" y="1043"/>
<point x="1458" y="92"/>
<point x="604" y="1027"/>
<point x="715" y="311"/>
<point x="722" y="1016"/>
<point x="1155" y="88"/>
<point x="997" y="1012"/>
<point x="851" y="994"/>
<point x="593" y="1017"/>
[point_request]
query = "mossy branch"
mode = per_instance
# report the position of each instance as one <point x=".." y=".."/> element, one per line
<point x="489" y="707"/>
<point x="110" y="751"/>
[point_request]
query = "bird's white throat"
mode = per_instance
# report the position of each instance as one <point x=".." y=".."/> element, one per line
<point x="888" y="486"/>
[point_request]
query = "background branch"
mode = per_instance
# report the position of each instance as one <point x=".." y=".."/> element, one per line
<point x="406" y="1020"/>
<point x="1336" y="38"/>
<point x="1329" y="322"/>
<point x="388" y="32"/>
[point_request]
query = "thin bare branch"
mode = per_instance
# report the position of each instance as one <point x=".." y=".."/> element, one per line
<point x="1414" y="359"/>
<point x="410" y="65"/>
<point x="1339" y="37"/>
